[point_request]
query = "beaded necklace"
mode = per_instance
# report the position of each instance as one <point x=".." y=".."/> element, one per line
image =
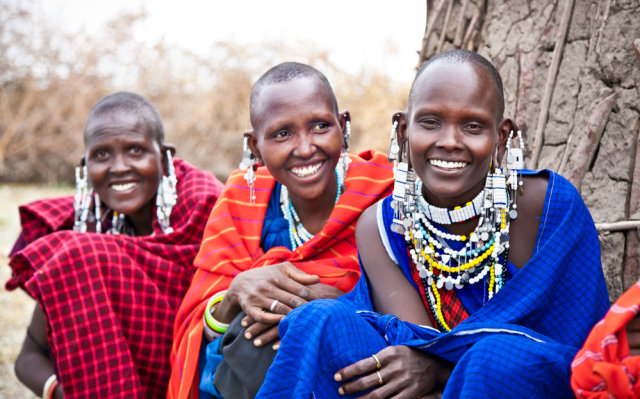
<point x="298" y="234"/>
<point x="483" y="256"/>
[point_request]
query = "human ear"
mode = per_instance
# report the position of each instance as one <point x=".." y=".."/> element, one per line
<point x="401" y="134"/>
<point x="504" y="129"/>
<point x="252" y="142"/>
<point x="163" y="151"/>
<point x="345" y="126"/>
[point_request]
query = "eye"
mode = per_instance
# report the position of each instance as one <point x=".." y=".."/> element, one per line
<point x="429" y="123"/>
<point x="473" y="127"/>
<point x="135" y="150"/>
<point x="282" y="134"/>
<point x="320" y="127"/>
<point x="101" y="154"/>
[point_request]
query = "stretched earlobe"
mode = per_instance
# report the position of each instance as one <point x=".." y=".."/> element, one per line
<point x="346" y="130"/>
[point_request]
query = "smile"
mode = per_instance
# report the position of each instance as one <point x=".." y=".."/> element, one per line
<point x="447" y="164"/>
<point x="122" y="187"/>
<point x="306" y="171"/>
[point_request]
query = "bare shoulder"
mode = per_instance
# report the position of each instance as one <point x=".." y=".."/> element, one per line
<point x="524" y="229"/>
<point x="367" y="228"/>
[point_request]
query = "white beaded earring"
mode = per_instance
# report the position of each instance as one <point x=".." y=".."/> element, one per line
<point x="82" y="200"/>
<point x="166" y="198"/>
<point x="402" y="177"/>
<point x="514" y="164"/>
<point x="249" y="164"/>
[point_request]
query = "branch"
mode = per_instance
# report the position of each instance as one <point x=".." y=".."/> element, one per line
<point x="443" y="34"/>
<point x="636" y="47"/>
<point x="428" y="30"/>
<point x="618" y="226"/>
<point x="457" y="41"/>
<point x="551" y="80"/>
<point x="583" y="153"/>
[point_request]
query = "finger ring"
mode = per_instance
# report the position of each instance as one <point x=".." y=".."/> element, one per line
<point x="273" y="305"/>
<point x="378" y="364"/>
<point x="380" y="381"/>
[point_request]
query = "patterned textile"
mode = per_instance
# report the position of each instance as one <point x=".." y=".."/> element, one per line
<point x="110" y="301"/>
<point x="603" y="367"/>
<point x="231" y="245"/>
<point x="534" y="325"/>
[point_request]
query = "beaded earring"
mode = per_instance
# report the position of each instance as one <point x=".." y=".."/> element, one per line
<point x="166" y="197"/>
<point x="344" y="158"/>
<point x="82" y="200"/>
<point x="402" y="177"/>
<point x="249" y="164"/>
<point x="515" y="163"/>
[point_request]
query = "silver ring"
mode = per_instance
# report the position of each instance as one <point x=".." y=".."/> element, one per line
<point x="273" y="305"/>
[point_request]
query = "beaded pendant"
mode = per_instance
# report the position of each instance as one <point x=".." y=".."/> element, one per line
<point x="483" y="256"/>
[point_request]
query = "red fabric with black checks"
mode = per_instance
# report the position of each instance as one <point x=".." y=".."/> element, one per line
<point x="110" y="301"/>
<point x="453" y="310"/>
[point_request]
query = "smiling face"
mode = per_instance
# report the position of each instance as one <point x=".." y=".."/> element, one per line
<point x="453" y="127"/>
<point x="124" y="165"/>
<point x="299" y="137"/>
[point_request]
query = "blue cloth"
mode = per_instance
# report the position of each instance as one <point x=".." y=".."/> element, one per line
<point x="519" y="344"/>
<point x="275" y="233"/>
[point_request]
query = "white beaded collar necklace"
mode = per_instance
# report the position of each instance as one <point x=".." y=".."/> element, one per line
<point x="456" y="215"/>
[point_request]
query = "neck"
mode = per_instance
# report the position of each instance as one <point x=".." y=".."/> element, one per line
<point x="142" y="220"/>
<point x="314" y="213"/>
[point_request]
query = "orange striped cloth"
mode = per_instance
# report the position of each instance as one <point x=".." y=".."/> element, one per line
<point x="231" y="244"/>
<point x="603" y="367"/>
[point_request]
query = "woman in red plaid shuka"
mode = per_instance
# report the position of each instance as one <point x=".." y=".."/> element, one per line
<point x="109" y="267"/>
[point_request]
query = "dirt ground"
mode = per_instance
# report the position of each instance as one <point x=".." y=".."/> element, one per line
<point x="15" y="306"/>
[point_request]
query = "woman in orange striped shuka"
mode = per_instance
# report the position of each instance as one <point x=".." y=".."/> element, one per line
<point x="280" y="235"/>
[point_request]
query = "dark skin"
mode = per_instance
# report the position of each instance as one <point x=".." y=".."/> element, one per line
<point x="295" y="130"/>
<point x="454" y="120"/>
<point x="633" y="336"/>
<point x="120" y="149"/>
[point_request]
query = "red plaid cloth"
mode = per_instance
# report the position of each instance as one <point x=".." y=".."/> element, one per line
<point x="453" y="310"/>
<point x="110" y="301"/>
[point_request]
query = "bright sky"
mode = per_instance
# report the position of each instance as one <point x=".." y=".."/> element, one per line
<point x="357" y="33"/>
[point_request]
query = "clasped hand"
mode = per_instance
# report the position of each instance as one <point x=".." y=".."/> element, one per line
<point x="267" y="294"/>
<point x="395" y="372"/>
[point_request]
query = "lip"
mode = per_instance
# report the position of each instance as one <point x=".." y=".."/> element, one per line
<point x="307" y="171"/>
<point x="448" y="165"/>
<point x="123" y="187"/>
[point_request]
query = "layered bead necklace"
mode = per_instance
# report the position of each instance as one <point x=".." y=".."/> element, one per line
<point x="298" y="234"/>
<point x="483" y="256"/>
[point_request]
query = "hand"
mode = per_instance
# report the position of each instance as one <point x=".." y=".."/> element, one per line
<point x="405" y="373"/>
<point x="267" y="293"/>
<point x="324" y="291"/>
<point x="263" y="333"/>
<point x="633" y="335"/>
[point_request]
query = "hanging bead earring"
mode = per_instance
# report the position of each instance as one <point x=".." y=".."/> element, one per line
<point x="249" y="164"/>
<point x="399" y="193"/>
<point x="167" y="196"/>
<point x="343" y="164"/>
<point x="82" y="200"/>
<point x="515" y="163"/>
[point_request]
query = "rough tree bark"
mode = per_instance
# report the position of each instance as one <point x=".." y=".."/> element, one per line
<point x="560" y="61"/>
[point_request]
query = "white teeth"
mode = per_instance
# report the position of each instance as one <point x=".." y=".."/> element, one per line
<point x="306" y="170"/>
<point x="447" y="164"/>
<point x="122" y="187"/>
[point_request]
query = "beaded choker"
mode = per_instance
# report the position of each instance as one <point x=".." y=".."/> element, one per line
<point x="456" y="215"/>
<point x="298" y="234"/>
<point x="482" y="258"/>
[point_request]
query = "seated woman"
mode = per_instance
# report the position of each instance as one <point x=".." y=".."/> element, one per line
<point x="608" y="365"/>
<point x="281" y="234"/>
<point x="109" y="267"/>
<point x="465" y="292"/>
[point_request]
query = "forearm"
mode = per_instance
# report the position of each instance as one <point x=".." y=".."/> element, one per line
<point x="33" y="367"/>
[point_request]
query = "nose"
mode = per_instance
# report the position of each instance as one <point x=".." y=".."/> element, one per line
<point x="120" y="164"/>
<point x="449" y="138"/>
<point x="305" y="146"/>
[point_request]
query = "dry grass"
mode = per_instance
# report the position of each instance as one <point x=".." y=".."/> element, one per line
<point x="49" y="80"/>
<point x="15" y="306"/>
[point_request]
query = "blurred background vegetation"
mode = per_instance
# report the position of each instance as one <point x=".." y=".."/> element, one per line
<point x="50" y="78"/>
